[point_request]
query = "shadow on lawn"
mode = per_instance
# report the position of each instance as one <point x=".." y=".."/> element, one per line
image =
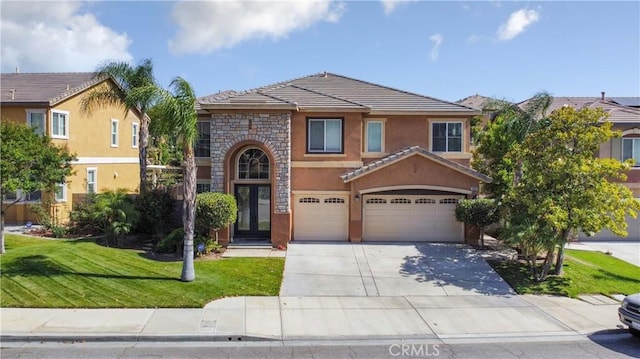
<point x="40" y="265"/>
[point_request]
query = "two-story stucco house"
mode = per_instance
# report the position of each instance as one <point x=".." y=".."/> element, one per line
<point x="105" y="141"/>
<point x="328" y="157"/>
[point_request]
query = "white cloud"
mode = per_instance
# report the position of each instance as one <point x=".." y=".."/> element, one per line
<point x="56" y="36"/>
<point x="474" y="39"/>
<point x="205" y="26"/>
<point x="390" y="5"/>
<point x="517" y="23"/>
<point x="437" y="41"/>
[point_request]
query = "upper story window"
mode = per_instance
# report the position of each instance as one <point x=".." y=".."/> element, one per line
<point x="114" y="133"/>
<point x="59" y="124"/>
<point x="35" y="119"/>
<point x="631" y="149"/>
<point x="134" y="134"/>
<point x="203" y="146"/>
<point x="253" y="164"/>
<point x="374" y="134"/>
<point x="324" y="135"/>
<point x="446" y="137"/>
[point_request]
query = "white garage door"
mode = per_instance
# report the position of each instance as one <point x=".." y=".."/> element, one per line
<point x="411" y="218"/>
<point x="321" y="217"/>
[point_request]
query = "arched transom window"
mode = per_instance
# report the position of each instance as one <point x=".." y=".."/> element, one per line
<point x="253" y="164"/>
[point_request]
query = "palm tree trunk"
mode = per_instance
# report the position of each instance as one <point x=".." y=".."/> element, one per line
<point x="142" y="151"/>
<point x="2" y="249"/>
<point x="188" y="214"/>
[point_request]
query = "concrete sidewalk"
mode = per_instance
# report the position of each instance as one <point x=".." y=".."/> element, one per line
<point x="442" y="318"/>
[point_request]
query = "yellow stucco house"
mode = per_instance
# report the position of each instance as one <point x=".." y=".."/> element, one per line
<point x="105" y="141"/>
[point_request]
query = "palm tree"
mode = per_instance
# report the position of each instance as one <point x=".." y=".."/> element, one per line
<point x="178" y="110"/>
<point x="136" y="90"/>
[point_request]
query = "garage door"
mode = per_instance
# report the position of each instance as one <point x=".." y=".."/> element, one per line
<point x="411" y="218"/>
<point x="321" y="217"/>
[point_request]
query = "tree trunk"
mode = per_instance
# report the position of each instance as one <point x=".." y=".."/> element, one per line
<point x="560" y="258"/>
<point x="544" y="271"/>
<point x="481" y="237"/>
<point x="142" y="151"/>
<point x="188" y="214"/>
<point x="2" y="250"/>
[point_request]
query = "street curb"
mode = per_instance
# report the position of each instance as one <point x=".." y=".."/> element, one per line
<point x="133" y="338"/>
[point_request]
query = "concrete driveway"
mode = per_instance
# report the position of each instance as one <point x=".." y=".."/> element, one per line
<point x="388" y="269"/>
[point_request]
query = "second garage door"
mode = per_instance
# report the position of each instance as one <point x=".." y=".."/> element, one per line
<point x="321" y="217"/>
<point x="411" y="218"/>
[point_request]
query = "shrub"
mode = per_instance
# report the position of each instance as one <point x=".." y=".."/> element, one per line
<point x="82" y="219"/>
<point x="478" y="212"/>
<point x="156" y="212"/>
<point x="111" y="213"/>
<point x="172" y="243"/>
<point x="214" y="211"/>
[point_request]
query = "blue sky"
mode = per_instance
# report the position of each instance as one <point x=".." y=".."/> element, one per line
<point x="445" y="49"/>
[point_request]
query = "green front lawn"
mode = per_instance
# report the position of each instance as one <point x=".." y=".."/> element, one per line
<point x="48" y="273"/>
<point x="584" y="273"/>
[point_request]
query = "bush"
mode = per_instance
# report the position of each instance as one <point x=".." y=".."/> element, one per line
<point x="156" y="212"/>
<point x="82" y="219"/>
<point x="111" y="213"/>
<point x="172" y="243"/>
<point x="478" y="212"/>
<point x="214" y="211"/>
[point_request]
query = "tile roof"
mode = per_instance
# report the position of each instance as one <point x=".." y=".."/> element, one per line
<point x="617" y="113"/>
<point x="480" y="102"/>
<point x="407" y="152"/>
<point x="43" y="88"/>
<point x="326" y="90"/>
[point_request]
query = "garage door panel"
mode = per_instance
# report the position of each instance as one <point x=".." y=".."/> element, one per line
<point x="321" y="217"/>
<point x="411" y="218"/>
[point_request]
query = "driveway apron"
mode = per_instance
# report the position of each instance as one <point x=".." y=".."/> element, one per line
<point x="388" y="269"/>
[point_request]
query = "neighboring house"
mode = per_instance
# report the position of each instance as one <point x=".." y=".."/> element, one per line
<point x="624" y="113"/>
<point x="105" y="141"/>
<point x="328" y="157"/>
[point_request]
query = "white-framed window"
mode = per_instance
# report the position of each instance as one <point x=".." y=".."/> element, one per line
<point x="631" y="149"/>
<point x="446" y="136"/>
<point x="60" y="193"/>
<point x="374" y="136"/>
<point x="92" y="180"/>
<point x="114" y="133"/>
<point x="36" y="119"/>
<point x="134" y="134"/>
<point x="59" y="124"/>
<point x="324" y="135"/>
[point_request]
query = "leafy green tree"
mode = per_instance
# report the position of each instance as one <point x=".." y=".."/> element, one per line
<point x="215" y="211"/>
<point x="509" y="127"/>
<point x="178" y="109"/>
<point x="564" y="187"/>
<point x="29" y="162"/>
<point x="137" y="90"/>
<point x="479" y="212"/>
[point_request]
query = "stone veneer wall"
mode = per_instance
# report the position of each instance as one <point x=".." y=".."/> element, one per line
<point x="273" y="130"/>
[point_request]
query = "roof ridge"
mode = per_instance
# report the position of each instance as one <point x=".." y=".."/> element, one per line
<point x="401" y="91"/>
<point x="82" y="86"/>
<point x="328" y="95"/>
<point x="275" y="97"/>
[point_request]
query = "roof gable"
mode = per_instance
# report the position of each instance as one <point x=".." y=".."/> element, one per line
<point x="44" y="88"/>
<point x="406" y="153"/>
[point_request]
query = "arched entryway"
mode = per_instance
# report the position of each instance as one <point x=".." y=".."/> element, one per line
<point x="252" y="189"/>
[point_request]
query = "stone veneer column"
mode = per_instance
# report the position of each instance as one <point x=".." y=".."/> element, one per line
<point x="271" y="129"/>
